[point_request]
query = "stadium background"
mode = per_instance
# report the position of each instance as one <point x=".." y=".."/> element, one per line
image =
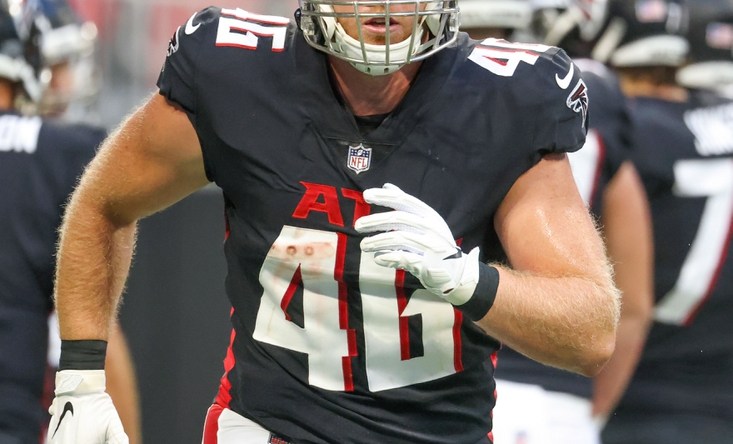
<point x="175" y="311"/>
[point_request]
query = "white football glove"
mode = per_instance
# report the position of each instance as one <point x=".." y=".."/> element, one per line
<point x="82" y="412"/>
<point x="415" y="238"/>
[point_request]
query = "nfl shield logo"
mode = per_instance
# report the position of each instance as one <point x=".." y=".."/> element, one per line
<point x="360" y="158"/>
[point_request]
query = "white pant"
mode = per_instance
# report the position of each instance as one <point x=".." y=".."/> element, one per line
<point x="529" y="414"/>
<point x="223" y="426"/>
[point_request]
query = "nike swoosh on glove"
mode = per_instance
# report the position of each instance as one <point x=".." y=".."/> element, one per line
<point x="82" y="412"/>
<point x="417" y="239"/>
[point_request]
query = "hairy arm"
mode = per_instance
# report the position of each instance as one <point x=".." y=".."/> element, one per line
<point x="557" y="303"/>
<point x="152" y="161"/>
<point x="628" y="233"/>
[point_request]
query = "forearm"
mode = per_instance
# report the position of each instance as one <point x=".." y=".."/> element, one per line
<point x="93" y="261"/>
<point x="610" y="384"/>
<point x="628" y="232"/>
<point x="567" y="322"/>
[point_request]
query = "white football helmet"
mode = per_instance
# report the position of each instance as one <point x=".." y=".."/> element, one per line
<point x="639" y="33"/>
<point x="711" y="46"/>
<point x="557" y="19"/>
<point x="505" y="14"/>
<point x="20" y="54"/>
<point x="436" y="26"/>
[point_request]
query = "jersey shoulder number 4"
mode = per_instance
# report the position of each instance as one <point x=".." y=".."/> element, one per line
<point x="503" y="58"/>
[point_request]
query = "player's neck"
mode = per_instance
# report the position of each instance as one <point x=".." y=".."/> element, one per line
<point x="367" y="95"/>
<point x="7" y="95"/>
<point x="671" y="93"/>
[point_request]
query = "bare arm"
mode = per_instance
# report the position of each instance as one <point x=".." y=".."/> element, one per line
<point x="122" y="384"/>
<point x="628" y="232"/>
<point x="557" y="304"/>
<point x="152" y="161"/>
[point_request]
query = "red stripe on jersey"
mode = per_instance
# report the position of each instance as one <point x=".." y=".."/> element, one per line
<point x="494" y="360"/>
<point x="338" y="275"/>
<point x="224" y="396"/>
<point x="502" y="61"/>
<point x="599" y="167"/>
<point x="211" y="425"/>
<point x="457" y="344"/>
<point x="404" y="325"/>
<point x="716" y="276"/>
<point x="227" y="226"/>
<point x="295" y="283"/>
<point x="348" y="373"/>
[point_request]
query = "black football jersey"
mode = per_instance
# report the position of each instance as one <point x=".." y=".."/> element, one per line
<point x="40" y="162"/>
<point x="327" y="346"/>
<point x="605" y="149"/>
<point x="684" y="153"/>
<point x="609" y="129"/>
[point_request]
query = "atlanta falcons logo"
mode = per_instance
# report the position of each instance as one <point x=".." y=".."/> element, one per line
<point x="578" y="100"/>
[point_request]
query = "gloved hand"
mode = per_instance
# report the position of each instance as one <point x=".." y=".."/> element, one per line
<point x="415" y="238"/>
<point x="82" y="412"/>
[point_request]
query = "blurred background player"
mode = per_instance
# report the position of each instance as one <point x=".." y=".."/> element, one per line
<point x="495" y="18"/>
<point x="536" y="403"/>
<point x="682" y="391"/>
<point x="40" y="161"/>
<point x="68" y="47"/>
<point x="710" y="65"/>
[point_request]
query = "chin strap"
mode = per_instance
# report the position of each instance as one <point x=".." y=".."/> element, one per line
<point x="376" y="56"/>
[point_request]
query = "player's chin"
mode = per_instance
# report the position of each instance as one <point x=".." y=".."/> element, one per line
<point x="381" y="39"/>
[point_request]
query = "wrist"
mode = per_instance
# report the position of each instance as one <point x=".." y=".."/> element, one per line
<point x="484" y="294"/>
<point x="82" y="355"/>
<point x="79" y="382"/>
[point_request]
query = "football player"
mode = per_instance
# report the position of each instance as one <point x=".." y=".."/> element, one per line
<point x="710" y="66"/>
<point x="541" y="404"/>
<point x="682" y="390"/>
<point x="68" y="48"/>
<point x="499" y="19"/>
<point x="398" y="201"/>
<point x="40" y="162"/>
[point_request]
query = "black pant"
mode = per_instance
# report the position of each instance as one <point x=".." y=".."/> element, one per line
<point x="664" y="428"/>
<point x="7" y="439"/>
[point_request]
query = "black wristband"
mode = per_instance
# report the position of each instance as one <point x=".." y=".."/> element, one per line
<point x="484" y="295"/>
<point x="83" y="355"/>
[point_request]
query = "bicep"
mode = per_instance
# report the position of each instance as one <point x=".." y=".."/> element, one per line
<point x="150" y="162"/>
<point x="545" y="227"/>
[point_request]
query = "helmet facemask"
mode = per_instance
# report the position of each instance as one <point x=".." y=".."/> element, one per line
<point x="435" y="26"/>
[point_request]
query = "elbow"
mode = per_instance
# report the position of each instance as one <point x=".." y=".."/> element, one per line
<point x="595" y="357"/>
<point x="598" y="350"/>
